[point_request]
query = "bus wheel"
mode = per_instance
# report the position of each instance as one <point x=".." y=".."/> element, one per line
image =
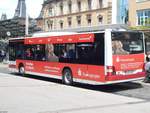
<point x="21" y="70"/>
<point x="67" y="77"/>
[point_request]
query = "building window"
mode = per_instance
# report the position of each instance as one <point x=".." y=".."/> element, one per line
<point x="79" y="20"/>
<point x="79" y="5"/>
<point x="122" y="12"/>
<point x="69" y="21"/>
<point x="100" y="3"/>
<point x="50" y="11"/>
<point x="61" y="24"/>
<point x="89" y="19"/>
<point x="70" y="6"/>
<point x="50" y="24"/>
<point x="143" y="17"/>
<point x="100" y="19"/>
<point x="89" y="4"/>
<point x="61" y="8"/>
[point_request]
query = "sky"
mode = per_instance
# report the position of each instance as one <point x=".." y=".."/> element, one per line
<point x="9" y="6"/>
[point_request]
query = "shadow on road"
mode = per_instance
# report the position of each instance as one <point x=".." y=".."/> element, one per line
<point x="112" y="88"/>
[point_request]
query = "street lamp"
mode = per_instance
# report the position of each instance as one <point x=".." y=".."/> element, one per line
<point x="27" y="22"/>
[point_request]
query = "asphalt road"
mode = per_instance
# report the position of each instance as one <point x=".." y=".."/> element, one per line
<point x="35" y="94"/>
<point x="137" y="89"/>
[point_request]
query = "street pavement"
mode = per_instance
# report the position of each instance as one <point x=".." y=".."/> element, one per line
<point x="30" y="95"/>
<point x="4" y="68"/>
<point x="3" y="65"/>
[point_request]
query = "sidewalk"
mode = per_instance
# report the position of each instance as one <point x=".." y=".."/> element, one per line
<point x="3" y="65"/>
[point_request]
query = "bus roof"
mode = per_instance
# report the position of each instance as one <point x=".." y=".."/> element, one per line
<point x="52" y="34"/>
<point x="46" y="34"/>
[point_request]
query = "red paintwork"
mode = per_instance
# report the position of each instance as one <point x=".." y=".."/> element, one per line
<point x="125" y="77"/>
<point x="87" y="72"/>
<point x="61" y="39"/>
<point x="128" y="62"/>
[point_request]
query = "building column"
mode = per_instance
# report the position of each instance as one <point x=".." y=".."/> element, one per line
<point x="114" y="11"/>
<point x="132" y="13"/>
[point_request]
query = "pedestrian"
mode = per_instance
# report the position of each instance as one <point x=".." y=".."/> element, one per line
<point x="147" y="69"/>
<point x="2" y="54"/>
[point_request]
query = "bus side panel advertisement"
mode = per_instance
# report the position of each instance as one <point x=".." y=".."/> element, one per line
<point x="61" y="39"/>
<point x="95" y="73"/>
<point x="127" y="67"/>
<point x="129" y="62"/>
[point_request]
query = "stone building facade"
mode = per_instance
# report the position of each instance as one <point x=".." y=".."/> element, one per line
<point x="139" y="12"/>
<point x="64" y="14"/>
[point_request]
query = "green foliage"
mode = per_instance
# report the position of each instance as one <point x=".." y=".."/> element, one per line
<point x="140" y="28"/>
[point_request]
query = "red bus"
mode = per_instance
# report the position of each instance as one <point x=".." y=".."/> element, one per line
<point x="103" y="57"/>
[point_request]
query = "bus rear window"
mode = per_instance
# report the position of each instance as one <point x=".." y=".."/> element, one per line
<point x="124" y="43"/>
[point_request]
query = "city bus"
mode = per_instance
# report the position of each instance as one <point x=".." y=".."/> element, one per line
<point x="102" y="57"/>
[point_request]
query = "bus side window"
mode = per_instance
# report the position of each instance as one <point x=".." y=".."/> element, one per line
<point x="85" y="53"/>
<point x="117" y="47"/>
<point x="12" y="52"/>
<point x="70" y="51"/>
<point x="39" y="52"/>
<point x="62" y="51"/>
<point x="19" y="52"/>
<point x="67" y="53"/>
<point x="34" y="52"/>
<point x="28" y="54"/>
<point x="50" y="55"/>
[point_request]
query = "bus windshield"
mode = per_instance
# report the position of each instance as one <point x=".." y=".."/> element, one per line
<point x="124" y="43"/>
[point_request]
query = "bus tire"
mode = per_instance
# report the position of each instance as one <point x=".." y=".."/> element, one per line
<point x="67" y="77"/>
<point x="21" y="70"/>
